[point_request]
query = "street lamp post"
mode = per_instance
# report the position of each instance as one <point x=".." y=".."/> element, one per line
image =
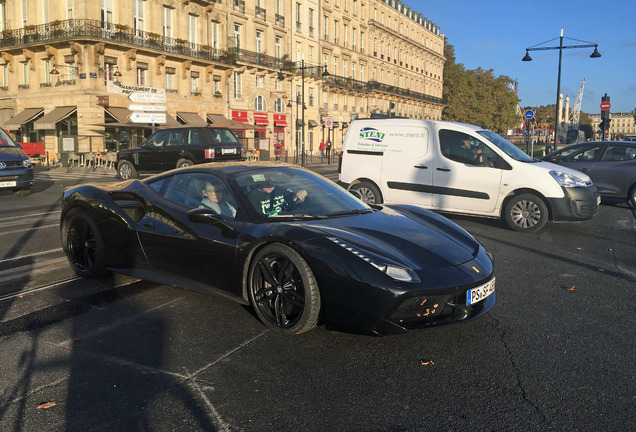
<point x="561" y="47"/>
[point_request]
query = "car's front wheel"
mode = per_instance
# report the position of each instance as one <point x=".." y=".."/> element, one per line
<point x="526" y="213"/>
<point x="126" y="170"/>
<point x="22" y="192"/>
<point x="283" y="290"/>
<point x="83" y="245"/>
<point x="368" y="191"/>
<point x="182" y="163"/>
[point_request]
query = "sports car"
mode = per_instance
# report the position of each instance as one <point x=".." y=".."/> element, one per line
<point x="295" y="246"/>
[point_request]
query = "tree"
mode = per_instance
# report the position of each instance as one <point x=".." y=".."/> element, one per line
<point x="477" y="96"/>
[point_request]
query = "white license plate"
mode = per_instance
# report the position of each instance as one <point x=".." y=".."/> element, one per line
<point x="479" y="293"/>
<point x="228" y="151"/>
<point x="7" y="184"/>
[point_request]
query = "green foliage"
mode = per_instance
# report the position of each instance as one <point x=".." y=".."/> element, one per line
<point x="477" y="96"/>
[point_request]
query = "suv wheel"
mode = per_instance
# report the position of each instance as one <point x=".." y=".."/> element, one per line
<point x="182" y="163"/>
<point x="126" y="170"/>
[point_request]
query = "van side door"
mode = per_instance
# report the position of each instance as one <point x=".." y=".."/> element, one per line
<point x="407" y="174"/>
<point x="460" y="183"/>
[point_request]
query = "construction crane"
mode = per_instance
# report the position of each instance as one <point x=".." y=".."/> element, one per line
<point x="575" y="115"/>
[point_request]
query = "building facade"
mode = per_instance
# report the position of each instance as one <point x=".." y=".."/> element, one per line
<point x="621" y="124"/>
<point x="281" y="66"/>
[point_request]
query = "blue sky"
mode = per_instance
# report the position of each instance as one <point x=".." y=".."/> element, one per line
<point x="494" y="34"/>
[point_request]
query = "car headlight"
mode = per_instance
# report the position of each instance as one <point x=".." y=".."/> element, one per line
<point x="393" y="271"/>
<point x="26" y="163"/>
<point x="567" y="180"/>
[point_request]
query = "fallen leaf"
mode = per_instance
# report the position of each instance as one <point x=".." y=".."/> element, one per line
<point x="572" y="288"/>
<point x="46" y="405"/>
<point x="579" y="248"/>
<point x="76" y="339"/>
<point x="427" y="363"/>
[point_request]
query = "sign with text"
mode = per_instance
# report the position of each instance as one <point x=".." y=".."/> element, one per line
<point x="153" y="108"/>
<point x="141" y="117"/>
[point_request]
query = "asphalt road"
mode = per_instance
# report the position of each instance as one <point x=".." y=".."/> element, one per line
<point x="119" y="354"/>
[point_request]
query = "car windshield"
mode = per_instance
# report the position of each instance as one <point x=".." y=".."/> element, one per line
<point x="5" y="139"/>
<point x="507" y="147"/>
<point x="277" y="192"/>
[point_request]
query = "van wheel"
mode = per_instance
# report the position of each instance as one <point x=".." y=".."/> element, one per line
<point x="126" y="170"/>
<point x="182" y="163"/>
<point x="369" y="192"/>
<point x="526" y="213"/>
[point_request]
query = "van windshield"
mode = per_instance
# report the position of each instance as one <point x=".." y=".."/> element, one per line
<point x="507" y="147"/>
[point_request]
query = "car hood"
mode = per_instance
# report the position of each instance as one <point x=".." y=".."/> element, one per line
<point x="410" y="235"/>
<point x="554" y="167"/>
<point x="12" y="154"/>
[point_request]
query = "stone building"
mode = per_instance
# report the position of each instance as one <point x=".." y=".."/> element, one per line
<point x="66" y="67"/>
<point x="621" y="124"/>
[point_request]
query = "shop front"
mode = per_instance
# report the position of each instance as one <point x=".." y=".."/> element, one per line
<point x="280" y="123"/>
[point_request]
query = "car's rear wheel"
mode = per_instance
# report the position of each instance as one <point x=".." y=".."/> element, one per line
<point x="126" y="170"/>
<point x="283" y="290"/>
<point x="368" y="191"/>
<point x="83" y="245"/>
<point x="631" y="196"/>
<point x="182" y="163"/>
<point x="526" y="213"/>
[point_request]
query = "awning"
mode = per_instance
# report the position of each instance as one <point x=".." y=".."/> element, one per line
<point x="313" y="123"/>
<point x="23" y="117"/>
<point x="170" y="121"/>
<point x="221" y="121"/>
<point x="299" y="123"/>
<point x="119" y="114"/>
<point x="48" y="121"/>
<point x="281" y="123"/>
<point x="260" y="119"/>
<point x="190" y="118"/>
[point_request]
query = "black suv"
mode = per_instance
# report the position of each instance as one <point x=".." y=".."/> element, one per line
<point x="170" y="148"/>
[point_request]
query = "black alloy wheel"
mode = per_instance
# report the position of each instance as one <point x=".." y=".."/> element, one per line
<point x="283" y="290"/>
<point x="83" y="245"/>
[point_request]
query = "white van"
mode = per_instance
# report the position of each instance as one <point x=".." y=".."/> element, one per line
<point x="460" y="168"/>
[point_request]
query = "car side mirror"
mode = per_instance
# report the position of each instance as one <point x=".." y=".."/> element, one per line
<point x="205" y="215"/>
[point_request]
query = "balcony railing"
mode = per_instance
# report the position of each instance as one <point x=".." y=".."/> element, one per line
<point x="260" y="13"/>
<point x="280" y="20"/>
<point x="239" y="6"/>
<point x="95" y="30"/>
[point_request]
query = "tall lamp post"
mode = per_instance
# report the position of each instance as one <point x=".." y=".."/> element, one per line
<point x="561" y="47"/>
<point x="281" y="77"/>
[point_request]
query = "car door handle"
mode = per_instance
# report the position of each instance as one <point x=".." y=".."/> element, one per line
<point x="443" y="169"/>
<point x="585" y="170"/>
<point x="149" y="225"/>
<point x="421" y="166"/>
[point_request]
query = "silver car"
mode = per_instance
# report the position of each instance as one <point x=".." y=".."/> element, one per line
<point x="610" y="164"/>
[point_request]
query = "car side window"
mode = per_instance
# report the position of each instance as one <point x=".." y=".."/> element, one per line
<point x="158" y="139"/>
<point x="195" y="138"/>
<point x="198" y="190"/>
<point x="619" y="153"/>
<point x="579" y="154"/>
<point x="462" y="147"/>
<point x="176" y="138"/>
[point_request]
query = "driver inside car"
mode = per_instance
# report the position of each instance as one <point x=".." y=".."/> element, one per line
<point x="213" y="199"/>
<point x="270" y="199"/>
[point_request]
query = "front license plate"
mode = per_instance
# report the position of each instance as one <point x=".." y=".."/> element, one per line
<point x="228" y="151"/>
<point x="479" y="293"/>
<point x="7" y="184"/>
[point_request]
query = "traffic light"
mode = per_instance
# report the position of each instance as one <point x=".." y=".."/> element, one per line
<point x="607" y="123"/>
<point x="601" y="125"/>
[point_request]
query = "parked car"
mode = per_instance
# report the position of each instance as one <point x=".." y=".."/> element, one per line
<point x="610" y="164"/>
<point x="460" y="168"/>
<point x="16" y="172"/>
<point x="179" y="147"/>
<point x="296" y="247"/>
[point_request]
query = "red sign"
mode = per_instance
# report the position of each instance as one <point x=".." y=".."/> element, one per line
<point x="240" y="116"/>
<point x="605" y="106"/>
<point x="260" y="119"/>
